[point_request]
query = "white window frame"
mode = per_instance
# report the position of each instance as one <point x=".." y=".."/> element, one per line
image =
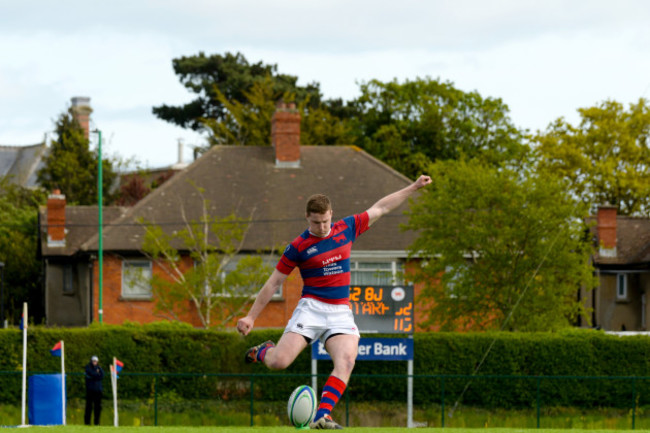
<point x="622" y="286"/>
<point x="132" y="263"/>
<point x="396" y="270"/>
<point x="451" y="284"/>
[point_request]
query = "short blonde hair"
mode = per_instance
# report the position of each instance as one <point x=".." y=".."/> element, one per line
<point x="318" y="203"/>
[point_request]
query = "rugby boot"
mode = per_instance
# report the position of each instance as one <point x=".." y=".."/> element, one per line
<point x="325" y="423"/>
<point x="256" y="353"/>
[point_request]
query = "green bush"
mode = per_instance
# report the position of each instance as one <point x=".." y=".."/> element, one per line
<point x="173" y="349"/>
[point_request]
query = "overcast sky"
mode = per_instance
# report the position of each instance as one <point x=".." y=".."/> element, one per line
<point x="544" y="58"/>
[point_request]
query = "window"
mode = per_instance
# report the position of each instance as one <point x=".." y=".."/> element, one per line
<point x="387" y="273"/>
<point x="621" y="287"/>
<point x="68" y="281"/>
<point x="453" y="276"/>
<point x="136" y="279"/>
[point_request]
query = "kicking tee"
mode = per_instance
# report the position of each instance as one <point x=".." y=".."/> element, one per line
<point x="324" y="263"/>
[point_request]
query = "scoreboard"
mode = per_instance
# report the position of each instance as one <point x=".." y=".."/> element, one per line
<point x="383" y="309"/>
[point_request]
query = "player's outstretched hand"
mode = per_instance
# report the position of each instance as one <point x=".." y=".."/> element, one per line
<point x="422" y="181"/>
<point x="244" y="325"/>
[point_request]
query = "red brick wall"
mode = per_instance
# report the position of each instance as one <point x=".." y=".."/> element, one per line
<point x="82" y="114"/>
<point x="423" y="306"/>
<point x="84" y="122"/>
<point x="607" y="226"/>
<point x="117" y="310"/>
<point x="275" y="315"/>
<point x="56" y="216"/>
<point x="285" y="133"/>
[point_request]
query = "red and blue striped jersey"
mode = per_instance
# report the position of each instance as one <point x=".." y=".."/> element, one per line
<point x="324" y="263"/>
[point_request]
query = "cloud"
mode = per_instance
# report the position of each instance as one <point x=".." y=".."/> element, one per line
<point x="125" y="75"/>
<point x="545" y="59"/>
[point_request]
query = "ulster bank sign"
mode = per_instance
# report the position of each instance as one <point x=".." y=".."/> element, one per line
<point x="374" y="349"/>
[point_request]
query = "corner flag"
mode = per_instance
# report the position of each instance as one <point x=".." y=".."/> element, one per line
<point x="115" y="367"/>
<point x="56" y="350"/>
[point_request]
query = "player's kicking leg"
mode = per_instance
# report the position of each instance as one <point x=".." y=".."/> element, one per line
<point x="258" y="353"/>
<point x="343" y="350"/>
<point x="280" y="356"/>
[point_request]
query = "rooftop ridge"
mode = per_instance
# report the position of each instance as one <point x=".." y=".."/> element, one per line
<point x="20" y="146"/>
<point x="151" y="196"/>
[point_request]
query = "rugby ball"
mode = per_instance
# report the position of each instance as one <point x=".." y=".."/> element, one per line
<point x="302" y="406"/>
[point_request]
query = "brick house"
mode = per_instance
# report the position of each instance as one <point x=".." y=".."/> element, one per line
<point x="622" y="265"/>
<point x="69" y="269"/>
<point x="269" y="183"/>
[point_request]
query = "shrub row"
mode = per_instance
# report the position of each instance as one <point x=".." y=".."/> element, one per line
<point x="172" y="348"/>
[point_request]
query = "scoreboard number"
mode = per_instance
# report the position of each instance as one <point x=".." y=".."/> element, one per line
<point x="383" y="309"/>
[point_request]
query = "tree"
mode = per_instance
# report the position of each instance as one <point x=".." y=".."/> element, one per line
<point x="606" y="158"/>
<point x="495" y="242"/>
<point x="136" y="186"/>
<point x="411" y="124"/>
<point x="23" y="271"/>
<point x="227" y="77"/>
<point x="248" y="122"/>
<point x="132" y="190"/>
<point x="200" y="267"/>
<point x="320" y="126"/>
<point x="72" y="167"/>
<point x="407" y="125"/>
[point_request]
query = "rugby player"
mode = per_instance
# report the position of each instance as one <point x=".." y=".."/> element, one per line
<point x="322" y="253"/>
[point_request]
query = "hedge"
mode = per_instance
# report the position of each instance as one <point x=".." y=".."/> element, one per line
<point x="173" y="348"/>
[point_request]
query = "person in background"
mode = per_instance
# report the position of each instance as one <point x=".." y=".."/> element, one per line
<point x="94" y="390"/>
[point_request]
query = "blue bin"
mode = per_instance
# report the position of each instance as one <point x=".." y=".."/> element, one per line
<point x="45" y="399"/>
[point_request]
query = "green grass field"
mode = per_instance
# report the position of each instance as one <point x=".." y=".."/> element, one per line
<point x="235" y="416"/>
<point x="81" y="429"/>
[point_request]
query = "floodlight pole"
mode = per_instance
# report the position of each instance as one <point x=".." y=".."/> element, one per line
<point x="100" y="225"/>
<point x="2" y="295"/>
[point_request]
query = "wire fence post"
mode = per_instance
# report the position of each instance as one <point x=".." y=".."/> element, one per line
<point x="539" y="381"/>
<point x="633" y="402"/>
<point x="252" y="408"/>
<point x="155" y="400"/>
<point x="442" y="401"/>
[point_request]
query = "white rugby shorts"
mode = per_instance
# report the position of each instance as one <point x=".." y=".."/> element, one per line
<point x="315" y="320"/>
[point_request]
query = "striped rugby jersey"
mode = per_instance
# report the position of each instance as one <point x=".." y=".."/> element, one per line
<point x="324" y="263"/>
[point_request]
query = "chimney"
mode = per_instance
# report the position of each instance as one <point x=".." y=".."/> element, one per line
<point x="180" y="164"/>
<point x="285" y="135"/>
<point x="81" y="111"/>
<point x="56" y="219"/>
<point x="606" y="227"/>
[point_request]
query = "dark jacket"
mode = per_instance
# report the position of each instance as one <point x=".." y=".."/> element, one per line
<point x="94" y="376"/>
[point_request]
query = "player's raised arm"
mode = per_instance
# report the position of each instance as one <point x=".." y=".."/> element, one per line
<point x="275" y="281"/>
<point x="391" y="201"/>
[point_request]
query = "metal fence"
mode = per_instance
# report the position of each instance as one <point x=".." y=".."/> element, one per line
<point x="264" y="394"/>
